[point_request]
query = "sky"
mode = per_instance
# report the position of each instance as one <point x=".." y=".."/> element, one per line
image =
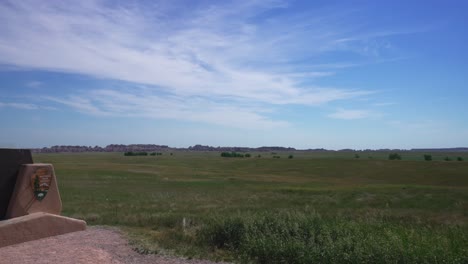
<point x="303" y="74"/>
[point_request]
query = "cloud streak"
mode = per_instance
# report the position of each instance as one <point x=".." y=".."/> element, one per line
<point x="141" y="104"/>
<point x="224" y="54"/>
<point x="25" y="106"/>
<point x="348" y="114"/>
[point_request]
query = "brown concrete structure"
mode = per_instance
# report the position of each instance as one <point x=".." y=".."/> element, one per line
<point x="34" y="203"/>
<point x="36" y="226"/>
<point x="24" y="202"/>
<point x="10" y="162"/>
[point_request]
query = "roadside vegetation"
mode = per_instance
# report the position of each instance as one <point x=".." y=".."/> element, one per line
<point x="313" y="208"/>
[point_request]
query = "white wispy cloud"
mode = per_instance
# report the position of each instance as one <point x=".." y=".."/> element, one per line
<point x="19" y="106"/>
<point x="34" y="84"/>
<point x="385" y="104"/>
<point x="26" y="106"/>
<point x="216" y="53"/>
<point x="141" y="104"/>
<point x="350" y="114"/>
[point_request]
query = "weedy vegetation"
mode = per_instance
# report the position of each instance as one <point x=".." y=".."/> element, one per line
<point x="320" y="207"/>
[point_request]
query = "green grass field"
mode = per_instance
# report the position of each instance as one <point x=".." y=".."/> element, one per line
<point x="324" y="207"/>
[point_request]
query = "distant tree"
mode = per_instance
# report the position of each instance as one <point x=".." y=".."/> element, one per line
<point x="394" y="156"/>
<point x="232" y="155"/>
<point x="447" y="159"/>
<point x="460" y="159"/>
<point x="130" y="153"/>
<point x="171" y="153"/>
<point x="259" y="156"/>
<point x="247" y="155"/>
<point x="427" y="157"/>
<point x="290" y="156"/>
<point x="153" y="154"/>
<point x="356" y="156"/>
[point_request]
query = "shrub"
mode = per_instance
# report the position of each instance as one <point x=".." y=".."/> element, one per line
<point x="290" y="156"/>
<point x="232" y="155"/>
<point x="131" y="153"/>
<point x="460" y="159"/>
<point x="427" y="157"/>
<point x="223" y="233"/>
<point x="259" y="156"/>
<point x="356" y="156"/>
<point x="394" y="156"/>
<point x="247" y="155"/>
<point x="447" y="159"/>
<point x="153" y="154"/>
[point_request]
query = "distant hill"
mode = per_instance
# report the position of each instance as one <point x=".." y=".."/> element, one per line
<point x="154" y="147"/>
<point x="108" y="148"/>
<point x="442" y="150"/>
<point x="150" y="147"/>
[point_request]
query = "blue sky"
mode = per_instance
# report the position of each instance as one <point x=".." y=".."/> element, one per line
<point x="305" y="74"/>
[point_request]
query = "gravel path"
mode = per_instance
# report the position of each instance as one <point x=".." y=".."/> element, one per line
<point x="94" y="245"/>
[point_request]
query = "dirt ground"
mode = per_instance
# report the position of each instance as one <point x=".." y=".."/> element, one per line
<point x="94" y="245"/>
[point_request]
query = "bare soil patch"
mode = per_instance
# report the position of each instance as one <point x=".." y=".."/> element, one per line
<point x="94" y="245"/>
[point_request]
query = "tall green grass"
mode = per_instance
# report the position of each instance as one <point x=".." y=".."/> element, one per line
<point x="299" y="237"/>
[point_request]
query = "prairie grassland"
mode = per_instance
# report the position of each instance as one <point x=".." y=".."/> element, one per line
<point x="325" y="207"/>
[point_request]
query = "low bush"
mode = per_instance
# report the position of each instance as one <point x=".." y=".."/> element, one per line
<point x="394" y="156"/>
<point x="131" y="153"/>
<point x="427" y="157"/>
<point x="232" y="155"/>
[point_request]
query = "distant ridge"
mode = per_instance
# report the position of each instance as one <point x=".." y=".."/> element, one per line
<point x="154" y="147"/>
<point x="441" y="150"/>
<point x="150" y="147"/>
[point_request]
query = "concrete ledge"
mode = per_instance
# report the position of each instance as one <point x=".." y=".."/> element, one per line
<point x="36" y="226"/>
